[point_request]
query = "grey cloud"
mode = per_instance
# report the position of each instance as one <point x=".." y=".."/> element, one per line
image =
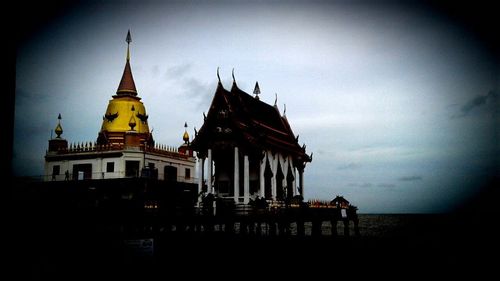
<point x="178" y="71"/>
<point x="364" y="185"/>
<point x="488" y="101"/>
<point x="410" y="178"/>
<point x="200" y="93"/>
<point x="155" y="70"/>
<point x="389" y="185"/>
<point x="350" y="166"/>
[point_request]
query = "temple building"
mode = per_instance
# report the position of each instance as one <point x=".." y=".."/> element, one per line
<point x="124" y="147"/>
<point x="248" y="149"/>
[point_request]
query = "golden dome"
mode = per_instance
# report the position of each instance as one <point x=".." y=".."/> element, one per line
<point x="119" y="114"/>
<point x="125" y="108"/>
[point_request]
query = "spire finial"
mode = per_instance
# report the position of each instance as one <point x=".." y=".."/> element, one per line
<point x="256" y="90"/>
<point x="232" y="73"/>
<point x="127" y="85"/>
<point x="276" y="99"/>
<point x="218" y="76"/>
<point x="284" y="110"/>
<point x="128" y="40"/>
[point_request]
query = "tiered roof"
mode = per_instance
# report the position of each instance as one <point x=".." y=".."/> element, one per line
<point x="241" y="118"/>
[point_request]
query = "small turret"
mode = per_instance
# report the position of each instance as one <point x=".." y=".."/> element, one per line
<point x="58" y="144"/>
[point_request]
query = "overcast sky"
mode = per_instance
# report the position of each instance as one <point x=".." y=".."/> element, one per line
<point x="399" y="104"/>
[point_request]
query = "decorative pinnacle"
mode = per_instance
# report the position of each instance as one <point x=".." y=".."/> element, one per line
<point x="256" y="90"/>
<point x="218" y="76"/>
<point x="185" y="137"/>
<point x="59" y="129"/>
<point x="232" y="73"/>
<point x="128" y="40"/>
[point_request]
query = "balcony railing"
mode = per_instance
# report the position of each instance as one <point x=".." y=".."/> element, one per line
<point x="85" y="147"/>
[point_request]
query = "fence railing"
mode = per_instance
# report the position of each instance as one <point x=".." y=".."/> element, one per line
<point x="105" y="175"/>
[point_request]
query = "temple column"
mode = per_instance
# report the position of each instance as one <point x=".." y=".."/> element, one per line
<point x="294" y="181"/>
<point x="301" y="182"/>
<point x="246" y="180"/>
<point x="263" y="163"/>
<point x="284" y="169"/>
<point x="209" y="172"/>
<point x="236" y="175"/>
<point x="201" y="163"/>
<point x="274" y="167"/>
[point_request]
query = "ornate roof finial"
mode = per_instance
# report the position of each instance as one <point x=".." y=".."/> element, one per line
<point x="185" y="137"/>
<point x="128" y="40"/>
<point x="218" y="76"/>
<point x="284" y="110"/>
<point x="232" y="73"/>
<point x="256" y="90"/>
<point x="276" y="100"/>
<point x="127" y="85"/>
<point x="59" y="129"/>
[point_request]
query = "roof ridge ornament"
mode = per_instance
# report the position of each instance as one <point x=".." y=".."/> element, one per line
<point x="276" y="100"/>
<point x="232" y="73"/>
<point x="218" y="76"/>
<point x="256" y="90"/>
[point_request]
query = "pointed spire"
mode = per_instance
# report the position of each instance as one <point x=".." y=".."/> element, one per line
<point x="128" y="40"/>
<point x="256" y="90"/>
<point x="127" y="85"/>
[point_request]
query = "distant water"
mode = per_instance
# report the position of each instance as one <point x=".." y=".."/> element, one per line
<point x="374" y="225"/>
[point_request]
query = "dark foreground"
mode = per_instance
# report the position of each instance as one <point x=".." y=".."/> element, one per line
<point x="437" y="244"/>
<point x="45" y="243"/>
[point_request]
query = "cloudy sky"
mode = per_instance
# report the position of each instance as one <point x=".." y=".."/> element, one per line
<point x="398" y="103"/>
